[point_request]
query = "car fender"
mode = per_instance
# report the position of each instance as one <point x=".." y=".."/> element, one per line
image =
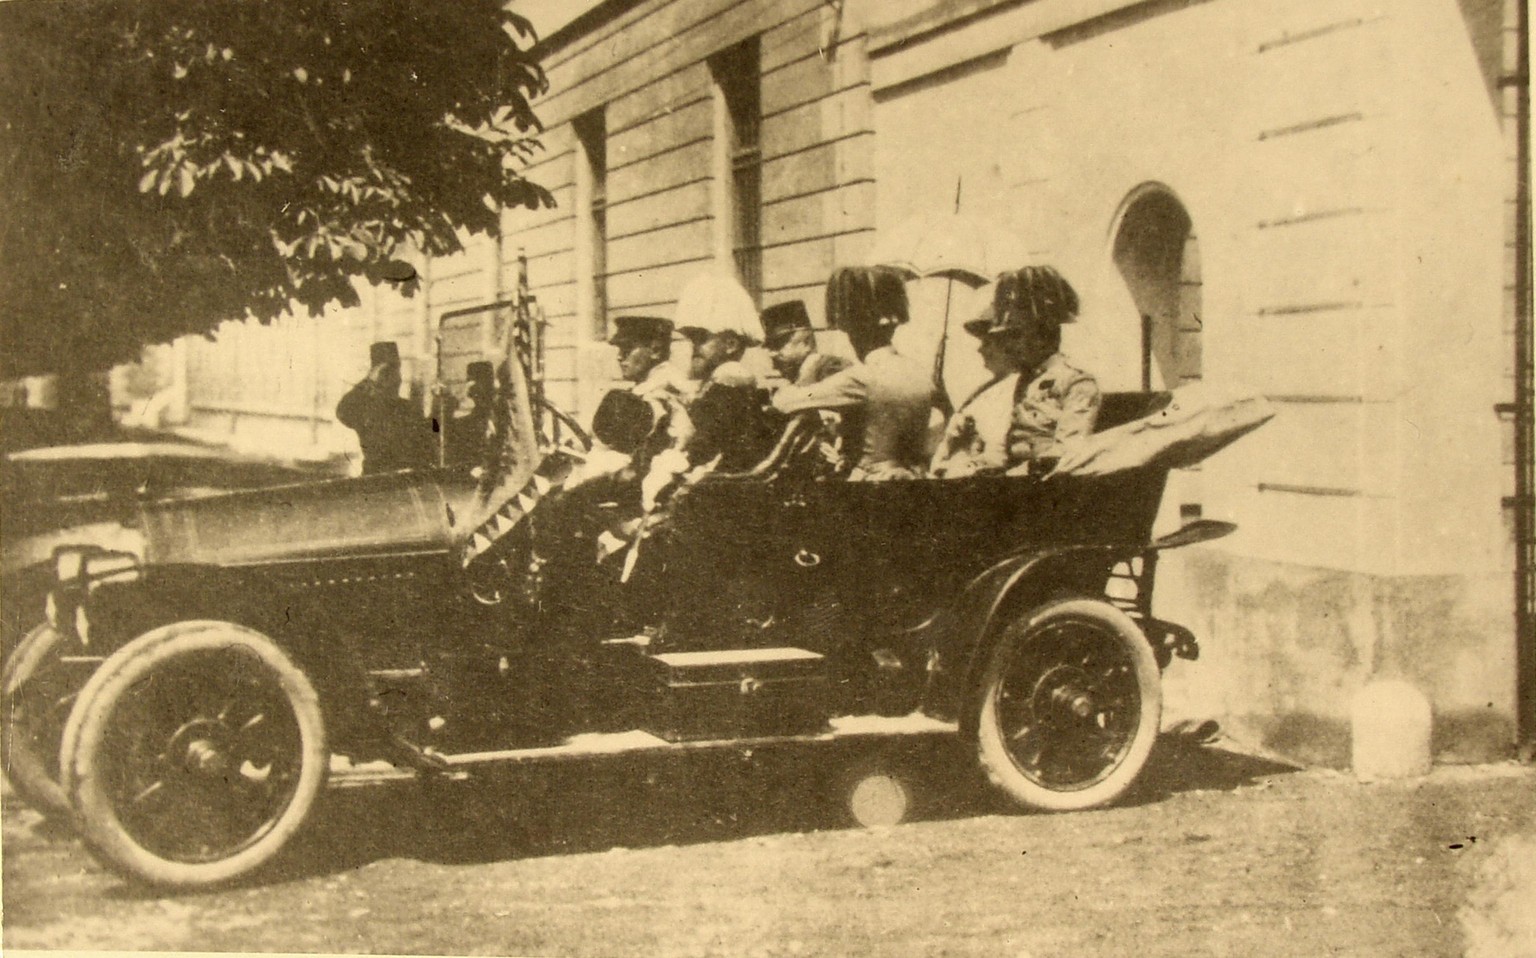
<point x="117" y="613"/>
<point x="958" y="637"/>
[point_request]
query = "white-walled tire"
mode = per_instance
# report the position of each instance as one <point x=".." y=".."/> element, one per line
<point x="1068" y="706"/>
<point x="38" y="693"/>
<point x="194" y="755"/>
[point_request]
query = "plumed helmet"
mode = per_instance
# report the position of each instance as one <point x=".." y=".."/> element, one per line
<point x="1033" y="297"/>
<point x="861" y="298"/>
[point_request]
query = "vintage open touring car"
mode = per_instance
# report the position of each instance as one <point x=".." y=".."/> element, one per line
<point x="186" y="701"/>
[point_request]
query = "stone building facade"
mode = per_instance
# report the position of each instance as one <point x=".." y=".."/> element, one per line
<point x="1322" y="201"/>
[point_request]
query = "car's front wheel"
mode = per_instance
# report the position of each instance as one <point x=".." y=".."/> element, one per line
<point x="194" y="755"/>
<point x="39" y="690"/>
<point x="1067" y="709"/>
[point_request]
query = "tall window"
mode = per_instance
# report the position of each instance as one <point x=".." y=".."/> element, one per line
<point x="592" y="220"/>
<point x="737" y="78"/>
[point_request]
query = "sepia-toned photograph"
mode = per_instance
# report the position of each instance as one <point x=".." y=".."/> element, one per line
<point x="566" y="478"/>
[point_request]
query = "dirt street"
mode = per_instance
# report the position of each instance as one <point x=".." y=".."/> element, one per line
<point x="1218" y="854"/>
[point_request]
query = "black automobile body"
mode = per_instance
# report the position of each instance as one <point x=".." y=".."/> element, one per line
<point x="201" y="685"/>
<point x="86" y="493"/>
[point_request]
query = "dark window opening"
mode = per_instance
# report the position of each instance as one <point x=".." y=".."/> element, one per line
<point x="738" y="84"/>
<point x="592" y="143"/>
<point x="1159" y="259"/>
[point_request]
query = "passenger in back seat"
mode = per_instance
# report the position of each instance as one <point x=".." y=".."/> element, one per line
<point x="1037" y="403"/>
<point x="884" y="398"/>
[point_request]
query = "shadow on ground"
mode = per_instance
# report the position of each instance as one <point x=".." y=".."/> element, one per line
<point x="1181" y="764"/>
<point x="687" y="799"/>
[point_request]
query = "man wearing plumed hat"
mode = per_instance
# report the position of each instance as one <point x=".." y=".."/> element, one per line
<point x="1036" y="402"/>
<point x="391" y="431"/>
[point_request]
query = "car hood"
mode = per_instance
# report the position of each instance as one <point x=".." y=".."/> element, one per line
<point x="420" y="511"/>
<point x="373" y="515"/>
<point x="24" y="552"/>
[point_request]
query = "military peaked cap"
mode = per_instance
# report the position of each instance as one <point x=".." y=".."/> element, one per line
<point x="782" y="319"/>
<point x="641" y="329"/>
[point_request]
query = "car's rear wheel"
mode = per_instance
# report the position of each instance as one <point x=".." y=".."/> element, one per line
<point x="194" y="755"/>
<point x="38" y="692"/>
<point x="1067" y="709"/>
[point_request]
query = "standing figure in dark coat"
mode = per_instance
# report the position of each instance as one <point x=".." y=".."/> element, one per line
<point x="392" y="432"/>
<point x="467" y="428"/>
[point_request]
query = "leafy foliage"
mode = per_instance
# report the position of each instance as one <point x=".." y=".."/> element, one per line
<point x="171" y="164"/>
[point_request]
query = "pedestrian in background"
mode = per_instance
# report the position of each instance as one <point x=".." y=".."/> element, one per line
<point x="390" y="429"/>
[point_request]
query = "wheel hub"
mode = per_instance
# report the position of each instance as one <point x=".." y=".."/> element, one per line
<point x="1065" y="693"/>
<point x="201" y="747"/>
<point x="204" y="757"/>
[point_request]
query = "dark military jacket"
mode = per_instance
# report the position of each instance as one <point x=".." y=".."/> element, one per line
<point x="393" y="435"/>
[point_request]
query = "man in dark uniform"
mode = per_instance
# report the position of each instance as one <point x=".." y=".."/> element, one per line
<point x="392" y="432"/>
<point x="791" y="341"/>
<point x="645" y="344"/>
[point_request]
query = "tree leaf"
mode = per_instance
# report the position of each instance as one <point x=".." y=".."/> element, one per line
<point x="162" y="269"/>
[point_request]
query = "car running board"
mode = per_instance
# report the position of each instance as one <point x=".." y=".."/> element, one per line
<point x="596" y="745"/>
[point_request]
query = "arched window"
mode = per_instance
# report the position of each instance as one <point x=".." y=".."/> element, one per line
<point x="1158" y="257"/>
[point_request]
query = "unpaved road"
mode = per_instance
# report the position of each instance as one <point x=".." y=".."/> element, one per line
<point x="1220" y="854"/>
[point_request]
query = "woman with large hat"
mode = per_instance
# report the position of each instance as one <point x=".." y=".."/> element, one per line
<point x="1036" y="401"/>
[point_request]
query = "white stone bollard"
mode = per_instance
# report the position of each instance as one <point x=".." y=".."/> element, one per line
<point x="1389" y="731"/>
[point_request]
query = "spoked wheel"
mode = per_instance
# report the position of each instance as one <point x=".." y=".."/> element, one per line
<point x="194" y="755"/>
<point x="39" y="691"/>
<point x="1068" y="708"/>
